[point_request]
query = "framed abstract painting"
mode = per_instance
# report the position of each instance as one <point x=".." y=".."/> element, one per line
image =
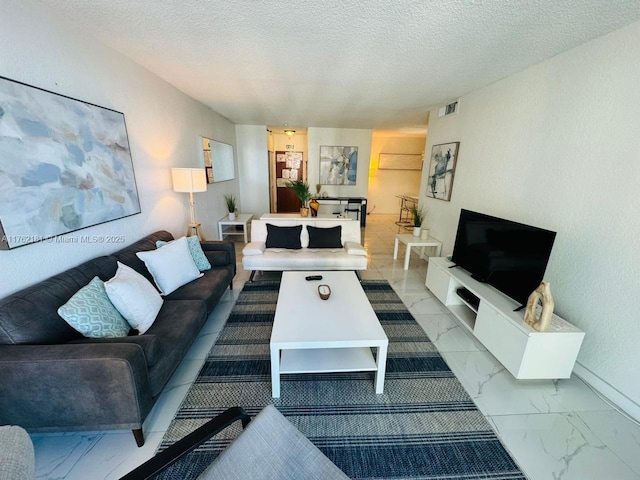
<point x="338" y="165"/>
<point x="65" y="165"/>
<point x="442" y="168"/>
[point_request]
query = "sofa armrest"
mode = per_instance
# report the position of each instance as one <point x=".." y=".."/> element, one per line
<point x="254" y="248"/>
<point x="74" y="386"/>
<point x="214" y="250"/>
<point x="354" y="248"/>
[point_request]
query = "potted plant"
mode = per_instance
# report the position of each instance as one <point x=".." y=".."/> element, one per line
<point x="301" y="189"/>
<point x="230" y="201"/>
<point x="418" y="218"/>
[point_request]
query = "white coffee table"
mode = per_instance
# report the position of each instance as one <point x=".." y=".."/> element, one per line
<point x="412" y="241"/>
<point x="311" y="335"/>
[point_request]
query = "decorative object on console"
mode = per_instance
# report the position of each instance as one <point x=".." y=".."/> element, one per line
<point x="324" y="291"/>
<point x="190" y="180"/>
<point x="301" y="189"/>
<point x="444" y="158"/>
<point x="540" y="297"/>
<point x="230" y="201"/>
<point x="338" y="165"/>
<point x="314" y="205"/>
<point x="66" y="165"/>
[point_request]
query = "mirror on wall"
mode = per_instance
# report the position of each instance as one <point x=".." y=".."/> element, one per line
<point x="218" y="160"/>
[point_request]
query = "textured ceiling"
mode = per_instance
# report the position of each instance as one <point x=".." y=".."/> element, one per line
<point x="340" y="63"/>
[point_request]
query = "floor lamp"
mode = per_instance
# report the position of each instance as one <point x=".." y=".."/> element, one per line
<point x="190" y="180"/>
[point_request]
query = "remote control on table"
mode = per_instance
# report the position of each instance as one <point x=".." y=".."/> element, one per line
<point x="313" y="277"/>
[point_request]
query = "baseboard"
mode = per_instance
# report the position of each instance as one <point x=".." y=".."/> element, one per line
<point x="611" y="393"/>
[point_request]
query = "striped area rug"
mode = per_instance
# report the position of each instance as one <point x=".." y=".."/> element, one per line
<point x="424" y="426"/>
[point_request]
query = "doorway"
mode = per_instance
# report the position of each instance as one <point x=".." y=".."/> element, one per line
<point x="287" y="162"/>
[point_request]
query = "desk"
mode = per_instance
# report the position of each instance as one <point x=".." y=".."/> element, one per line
<point x="228" y="227"/>
<point x="343" y="201"/>
<point x="412" y="241"/>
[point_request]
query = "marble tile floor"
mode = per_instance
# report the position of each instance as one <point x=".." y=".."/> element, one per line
<point x="553" y="429"/>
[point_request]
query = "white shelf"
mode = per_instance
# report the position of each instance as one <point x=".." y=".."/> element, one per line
<point x="525" y="352"/>
<point x="322" y="360"/>
<point x="465" y="315"/>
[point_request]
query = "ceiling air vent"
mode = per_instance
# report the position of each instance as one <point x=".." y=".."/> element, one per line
<point x="449" y="109"/>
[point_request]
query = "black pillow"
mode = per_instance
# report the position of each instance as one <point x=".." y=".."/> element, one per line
<point x="283" y="237"/>
<point x="325" y="237"/>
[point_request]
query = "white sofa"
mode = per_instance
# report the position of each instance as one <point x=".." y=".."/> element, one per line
<point x="353" y="256"/>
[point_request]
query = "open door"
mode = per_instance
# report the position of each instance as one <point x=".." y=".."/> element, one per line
<point x="288" y="166"/>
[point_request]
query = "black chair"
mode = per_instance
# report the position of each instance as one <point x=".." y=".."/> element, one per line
<point x="353" y="205"/>
<point x="269" y="448"/>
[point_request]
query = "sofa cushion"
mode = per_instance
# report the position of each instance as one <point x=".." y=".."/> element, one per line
<point x="171" y="266"/>
<point x="325" y="237"/>
<point x="209" y="288"/>
<point x="283" y="237"/>
<point x="134" y="297"/>
<point x="178" y="324"/>
<point x="128" y="255"/>
<point x="92" y="314"/>
<point x="195" y="249"/>
<point x="151" y="345"/>
<point x="30" y="315"/>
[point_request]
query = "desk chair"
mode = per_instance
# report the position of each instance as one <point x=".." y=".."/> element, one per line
<point x="353" y="205"/>
<point x="269" y="448"/>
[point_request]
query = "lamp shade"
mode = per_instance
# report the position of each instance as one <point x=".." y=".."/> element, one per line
<point x="189" y="179"/>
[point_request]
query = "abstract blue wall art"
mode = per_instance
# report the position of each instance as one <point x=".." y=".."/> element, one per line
<point x="338" y="165"/>
<point x="444" y="158"/>
<point x="65" y="164"/>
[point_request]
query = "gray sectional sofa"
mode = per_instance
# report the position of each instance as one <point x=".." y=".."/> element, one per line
<point x="54" y="379"/>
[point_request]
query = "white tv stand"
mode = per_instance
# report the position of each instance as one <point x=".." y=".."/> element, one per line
<point x="525" y="352"/>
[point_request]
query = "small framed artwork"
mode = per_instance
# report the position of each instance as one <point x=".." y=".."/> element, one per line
<point x="442" y="167"/>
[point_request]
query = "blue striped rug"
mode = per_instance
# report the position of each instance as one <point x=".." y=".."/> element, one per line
<point x="424" y="426"/>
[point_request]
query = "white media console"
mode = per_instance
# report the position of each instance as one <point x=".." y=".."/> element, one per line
<point x="525" y="352"/>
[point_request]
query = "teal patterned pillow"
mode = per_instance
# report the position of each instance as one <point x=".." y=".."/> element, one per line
<point x="92" y="314"/>
<point x="195" y="249"/>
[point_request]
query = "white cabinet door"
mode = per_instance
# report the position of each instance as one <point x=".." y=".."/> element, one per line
<point x="503" y="339"/>
<point x="438" y="282"/>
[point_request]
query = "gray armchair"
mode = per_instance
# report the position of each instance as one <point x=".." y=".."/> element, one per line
<point x="17" y="461"/>
<point x="280" y="451"/>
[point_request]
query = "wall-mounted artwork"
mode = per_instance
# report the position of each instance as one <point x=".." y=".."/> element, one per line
<point x="65" y="164"/>
<point x="400" y="161"/>
<point x="441" y="170"/>
<point x="338" y="165"/>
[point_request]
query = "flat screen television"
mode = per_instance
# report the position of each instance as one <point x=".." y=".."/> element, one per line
<point x="508" y="255"/>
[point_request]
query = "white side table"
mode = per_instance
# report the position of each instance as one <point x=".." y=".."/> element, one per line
<point x="412" y="241"/>
<point x="228" y="227"/>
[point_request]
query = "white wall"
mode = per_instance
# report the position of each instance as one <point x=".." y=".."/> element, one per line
<point x="385" y="185"/>
<point x="360" y="138"/>
<point x="253" y="166"/>
<point x="558" y="146"/>
<point x="40" y="49"/>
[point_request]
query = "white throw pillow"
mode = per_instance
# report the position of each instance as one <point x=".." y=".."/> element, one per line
<point x="171" y="266"/>
<point x="134" y="297"/>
